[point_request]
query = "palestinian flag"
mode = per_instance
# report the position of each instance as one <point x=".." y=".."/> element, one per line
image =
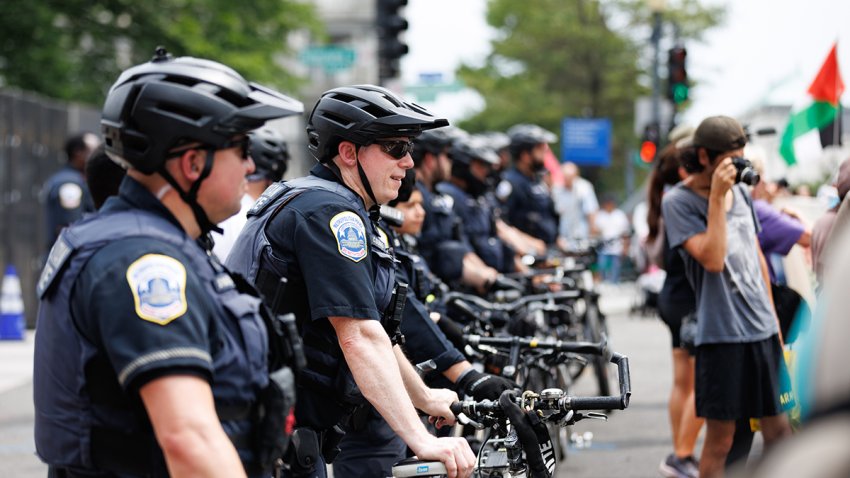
<point x="821" y="113"/>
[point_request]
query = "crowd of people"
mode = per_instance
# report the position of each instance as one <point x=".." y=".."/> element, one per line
<point x="161" y="349"/>
<point x="731" y="312"/>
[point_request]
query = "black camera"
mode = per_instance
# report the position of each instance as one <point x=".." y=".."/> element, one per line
<point x="746" y="173"/>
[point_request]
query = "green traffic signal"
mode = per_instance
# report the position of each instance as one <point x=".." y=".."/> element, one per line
<point x="680" y="93"/>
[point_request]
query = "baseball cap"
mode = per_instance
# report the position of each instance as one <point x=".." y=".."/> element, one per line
<point x="720" y="133"/>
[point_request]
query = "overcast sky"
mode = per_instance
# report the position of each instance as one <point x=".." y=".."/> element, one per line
<point x="766" y="50"/>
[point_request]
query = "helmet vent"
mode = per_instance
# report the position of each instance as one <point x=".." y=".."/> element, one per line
<point x="335" y="118"/>
<point x="179" y="110"/>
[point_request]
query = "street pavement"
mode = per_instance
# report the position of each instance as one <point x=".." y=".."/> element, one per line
<point x="630" y="444"/>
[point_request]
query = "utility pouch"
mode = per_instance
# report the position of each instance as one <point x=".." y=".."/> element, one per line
<point x="394" y="313"/>
<point x="303" y="451"/>
<point x="330" y="443"/>
<point x="273" y="408"/>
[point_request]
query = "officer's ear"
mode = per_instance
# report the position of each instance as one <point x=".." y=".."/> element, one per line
<point x="347" y="153"/>
<point x="191" y="163"/>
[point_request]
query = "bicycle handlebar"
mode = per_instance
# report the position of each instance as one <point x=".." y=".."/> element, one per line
<point x="590" y="348"/>
<point x="555" y="400"/>
<point x="460" y="297"/>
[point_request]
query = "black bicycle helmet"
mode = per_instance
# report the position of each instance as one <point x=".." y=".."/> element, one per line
<point x="269" y="152"/>
<point x="527" y="136"/>
<point x="362" y="114"/>
<point x="473" y="147"/>
<point x="158" y="105"/>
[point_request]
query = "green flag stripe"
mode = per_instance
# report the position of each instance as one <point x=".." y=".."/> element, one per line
<point x="816" y="116"/>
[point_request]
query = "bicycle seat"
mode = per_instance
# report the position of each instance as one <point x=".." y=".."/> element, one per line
<point x="420" y="468"/>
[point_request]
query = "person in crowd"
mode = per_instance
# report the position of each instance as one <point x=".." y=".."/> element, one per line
<point x="823" y="227"/>
<point x="66" y="196"/>
<point x="576" y="205"/>
<point x="613" y="229"/>
<point x="151" y="359"/>
<point x="709" y="219"/>
<point x="270" y="155"/>
<point x="103" y="176"/>
<point x="675" y="301"/>
<point x="527" y="202"/>
<point x="319" y="233"/>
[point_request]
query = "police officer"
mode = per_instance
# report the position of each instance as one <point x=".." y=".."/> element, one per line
<point x="370" y="447"/>
<point x="150" y="358"/>
<point x="528" y="205"/>
<point x="473" y="163"/>
<point x="271" y="156"/>
<point x="318" y="232"/>
<point x="443" y="242"/>
<point x="66" y="196"/>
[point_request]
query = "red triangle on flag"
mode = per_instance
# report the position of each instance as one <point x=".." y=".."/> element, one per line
<point x="828" y="85"/>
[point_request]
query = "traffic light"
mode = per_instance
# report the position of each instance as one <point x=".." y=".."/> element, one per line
<point x="390" y="48"/>
<point x="677" y="75"/>
<point x="649" y="142"/>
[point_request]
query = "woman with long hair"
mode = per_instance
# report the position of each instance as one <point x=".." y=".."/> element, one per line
<point x="675" y="301"/>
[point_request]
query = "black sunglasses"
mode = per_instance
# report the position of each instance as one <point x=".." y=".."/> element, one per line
<point x="397" y="148"/>
<point x="244" y="143"/>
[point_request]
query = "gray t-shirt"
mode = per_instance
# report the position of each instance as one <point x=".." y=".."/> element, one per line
<point x="732" y="306"/>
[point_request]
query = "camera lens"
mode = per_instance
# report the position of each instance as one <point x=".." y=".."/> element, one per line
<point x="746" y="173"/>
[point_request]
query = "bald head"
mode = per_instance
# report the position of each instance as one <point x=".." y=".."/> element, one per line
<point x="570" y="172"/>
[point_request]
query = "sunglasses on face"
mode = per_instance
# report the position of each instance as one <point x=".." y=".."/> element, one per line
<point x="397" y="148"/>
<point x="243" y="143"/>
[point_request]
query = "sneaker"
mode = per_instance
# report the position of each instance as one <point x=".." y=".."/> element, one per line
<point x="675" y="467"/>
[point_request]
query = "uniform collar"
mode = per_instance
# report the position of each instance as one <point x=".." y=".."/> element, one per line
<point x="132" y="195"/>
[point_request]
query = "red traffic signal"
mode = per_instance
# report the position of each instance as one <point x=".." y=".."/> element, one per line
<point x="647" y="151"/>
<point x="649" y="142"/>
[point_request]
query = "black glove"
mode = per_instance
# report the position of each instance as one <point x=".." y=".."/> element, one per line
<point x="483" y="386"/>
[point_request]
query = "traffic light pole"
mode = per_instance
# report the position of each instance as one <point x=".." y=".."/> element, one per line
<point x="656" y="78"/>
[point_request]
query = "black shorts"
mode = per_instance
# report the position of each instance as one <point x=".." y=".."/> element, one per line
<point x="735" y="381"/>
<point x="671" y="313"/>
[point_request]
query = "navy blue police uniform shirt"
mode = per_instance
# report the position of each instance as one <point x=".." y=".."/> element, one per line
<point x="67" y="199"/>
<point x="529" y="206"/>
<point x="442" y="242"/>
<point x="142" y="343"/>
<point x="476" y="214"/>
<point x="327" y="247"/>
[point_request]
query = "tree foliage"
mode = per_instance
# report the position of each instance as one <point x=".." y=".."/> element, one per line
<point x="75" y="49"/>
<point x="572" y="58"/>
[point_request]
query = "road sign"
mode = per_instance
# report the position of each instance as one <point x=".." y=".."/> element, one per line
<point x="330" y="58"/>
<point x="586" y="141"/>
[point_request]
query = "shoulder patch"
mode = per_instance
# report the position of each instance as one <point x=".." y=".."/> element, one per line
<point x="503" y="190"/>
<point x="70" y="195"/>
<point x="350" y="235"/>
<point x="158" y="284"/>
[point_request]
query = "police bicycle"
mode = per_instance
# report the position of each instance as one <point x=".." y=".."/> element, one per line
<point x="518" y="444"/>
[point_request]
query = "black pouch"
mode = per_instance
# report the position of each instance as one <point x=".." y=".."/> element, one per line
<point x="274" y="406"/>
<point x="303" y="452"/>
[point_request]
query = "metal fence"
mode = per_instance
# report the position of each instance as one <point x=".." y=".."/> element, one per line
<point x="33" y="131"/>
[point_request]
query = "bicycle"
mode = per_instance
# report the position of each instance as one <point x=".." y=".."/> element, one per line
<point x="519" y="445"/>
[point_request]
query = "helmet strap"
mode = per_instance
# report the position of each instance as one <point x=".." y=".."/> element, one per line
<point x="365" y="180"/>
<point x="191" y="197"/>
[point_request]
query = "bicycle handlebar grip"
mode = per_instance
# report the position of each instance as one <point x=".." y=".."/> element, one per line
<point x="593" y="403"/>
<point x="456" y="408"/>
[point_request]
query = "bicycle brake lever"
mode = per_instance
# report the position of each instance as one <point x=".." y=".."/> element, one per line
<point x="465" y="420"/>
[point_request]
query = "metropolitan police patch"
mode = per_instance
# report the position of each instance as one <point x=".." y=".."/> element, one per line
<point x="350" y="235"/>
<point x="158" y="284"/>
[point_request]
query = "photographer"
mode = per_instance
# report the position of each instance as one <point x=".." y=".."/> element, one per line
<point x="709" y="218"/>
